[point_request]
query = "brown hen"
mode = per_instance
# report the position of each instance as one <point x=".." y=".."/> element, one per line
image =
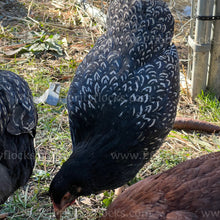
<point x="189" y="191"/>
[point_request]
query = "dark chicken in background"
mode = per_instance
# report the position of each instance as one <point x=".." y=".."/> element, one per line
<point x="189" y="191"/>
<point x="18" y="120"/>
<point x="122" y="102"/>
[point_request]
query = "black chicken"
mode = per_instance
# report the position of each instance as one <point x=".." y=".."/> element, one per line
<point x="18" y="119"/>
<point x="122" y="102"/>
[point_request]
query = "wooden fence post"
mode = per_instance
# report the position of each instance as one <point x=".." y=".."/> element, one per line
<point x="201" y="46"/>
<point x="214" y="73"/>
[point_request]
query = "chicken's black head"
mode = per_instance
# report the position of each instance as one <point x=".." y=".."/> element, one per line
<point x="66" y="186"/>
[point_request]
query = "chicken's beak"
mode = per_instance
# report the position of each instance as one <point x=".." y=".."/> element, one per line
<point x="59" y="208"/>
<point x="58" y="213"/>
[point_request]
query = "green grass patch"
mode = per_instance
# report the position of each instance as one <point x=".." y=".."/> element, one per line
<point x="209" y="106"/>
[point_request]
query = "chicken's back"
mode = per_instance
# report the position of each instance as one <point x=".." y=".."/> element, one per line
<point x="191" y="190"/>
<point x="129" y="81"/>
<point x="18" y="119"/>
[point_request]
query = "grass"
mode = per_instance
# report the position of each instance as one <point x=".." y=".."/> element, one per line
<point x="53" y="142"/>
<point x="209" y="106"/>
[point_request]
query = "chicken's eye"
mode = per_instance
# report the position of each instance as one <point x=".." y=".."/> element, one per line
<point x="65" y="197"/>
